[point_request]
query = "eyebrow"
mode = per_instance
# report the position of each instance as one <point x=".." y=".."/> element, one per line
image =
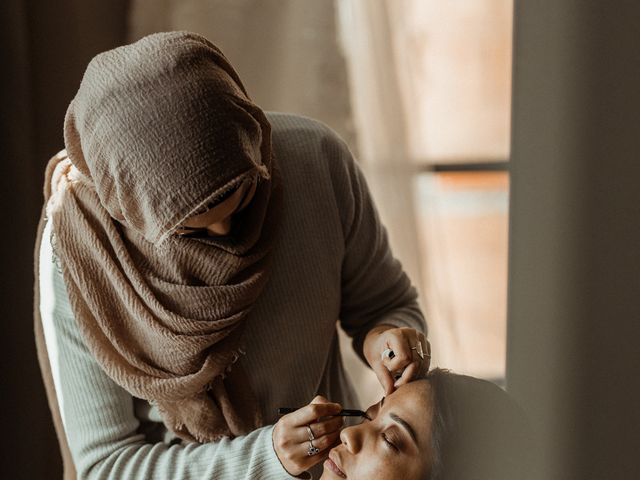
<point x="404" y="425"/>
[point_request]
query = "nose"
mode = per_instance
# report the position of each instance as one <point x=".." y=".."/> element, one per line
<point x="351" y="438"/>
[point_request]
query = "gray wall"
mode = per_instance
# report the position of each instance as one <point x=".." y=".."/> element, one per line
<point x="574" y="287"/>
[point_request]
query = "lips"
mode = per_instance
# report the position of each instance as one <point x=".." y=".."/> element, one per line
<point x="332" y="463"/>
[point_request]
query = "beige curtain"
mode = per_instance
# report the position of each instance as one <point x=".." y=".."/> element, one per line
<point x="454" y="71"/>
<point x="430" y="83"/>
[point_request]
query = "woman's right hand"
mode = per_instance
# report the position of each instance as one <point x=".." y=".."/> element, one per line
<point x="291" y="436"/>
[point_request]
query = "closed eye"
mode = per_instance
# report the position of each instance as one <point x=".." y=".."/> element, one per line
<point x="389" y="443"/>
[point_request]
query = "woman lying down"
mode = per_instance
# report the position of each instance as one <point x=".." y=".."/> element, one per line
<point x="441" y="426"/>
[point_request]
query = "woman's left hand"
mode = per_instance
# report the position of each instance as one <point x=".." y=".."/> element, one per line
<point x="406" y="344"/>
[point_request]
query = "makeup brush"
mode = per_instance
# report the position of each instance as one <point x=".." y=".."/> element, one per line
<point x="342" y="413"/>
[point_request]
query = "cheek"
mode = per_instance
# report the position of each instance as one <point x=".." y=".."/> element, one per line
<point x="386" y="467"/>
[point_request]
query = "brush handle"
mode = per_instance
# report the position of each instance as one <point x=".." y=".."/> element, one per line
<point x="342" y="413"/>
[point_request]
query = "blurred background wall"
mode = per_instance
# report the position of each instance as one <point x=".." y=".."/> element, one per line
<point x="574" y="278"/>
<point x="45" y="48"/>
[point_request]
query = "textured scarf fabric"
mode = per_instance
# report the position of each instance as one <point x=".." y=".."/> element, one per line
<point x="158" y="129"/>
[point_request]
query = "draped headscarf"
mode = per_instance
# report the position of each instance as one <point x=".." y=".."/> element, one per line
<point x="158" y="129"/>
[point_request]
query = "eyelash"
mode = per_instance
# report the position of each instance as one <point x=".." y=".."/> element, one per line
<point x="389" y="444"/>
<point x="384" y="437"/>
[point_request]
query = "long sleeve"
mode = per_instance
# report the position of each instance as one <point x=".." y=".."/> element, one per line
<point x="375" y="288"/>
<point x="99" y="419"/>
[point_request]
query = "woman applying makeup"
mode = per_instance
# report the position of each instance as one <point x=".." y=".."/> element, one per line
<point x="193" y="257"/>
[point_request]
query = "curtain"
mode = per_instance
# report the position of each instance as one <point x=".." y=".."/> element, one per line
<point x="430" y="84"/>
<point x="454" y="71"/>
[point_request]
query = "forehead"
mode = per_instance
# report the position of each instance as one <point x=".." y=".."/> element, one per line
<point x="420" y="388"/>
<point x="413" y="403"/>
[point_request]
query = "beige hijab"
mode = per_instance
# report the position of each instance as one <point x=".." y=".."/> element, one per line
<point x="158" y="129"/>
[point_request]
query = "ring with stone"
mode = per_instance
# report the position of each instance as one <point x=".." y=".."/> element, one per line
<point x="388" y="353"/>
<point x="313" y="450"/>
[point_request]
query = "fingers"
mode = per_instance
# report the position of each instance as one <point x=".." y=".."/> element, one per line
<point x="312" y="412"/>
<point x="293" y="442"/>
<point x="324" y="442"/>
<point x="384" y="377"/>
<point x="406" y="344"/>
<point x="405" y="364"/>
<point x="325" y="432"/>
<point x="409" y="373"/>
<point x="291" y="439"/>
<point x="426" y="363"/>
<point x="326" y="427"/>
<point x="401" y="347"/>
<point x="320" y="399"/>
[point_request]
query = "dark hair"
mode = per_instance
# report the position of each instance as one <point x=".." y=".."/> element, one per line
<point x="478" y="432"/>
